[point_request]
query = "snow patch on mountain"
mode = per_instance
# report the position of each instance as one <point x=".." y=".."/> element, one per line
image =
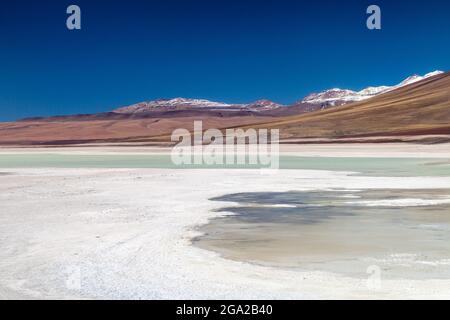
<point x="185" y="104"/>
<point x="262" y="105"/>
<point x="171" y="104"/>
<point x="338" y="96"/>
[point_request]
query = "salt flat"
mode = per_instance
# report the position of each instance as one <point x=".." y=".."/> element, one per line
<point x="376" y="150"/>
<point x="126" y="233"/>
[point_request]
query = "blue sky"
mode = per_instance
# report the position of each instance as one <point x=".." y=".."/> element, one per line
<point x="225" y="50"/>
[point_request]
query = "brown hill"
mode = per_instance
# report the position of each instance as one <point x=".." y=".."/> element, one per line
<point x="422" y="108"/>
<point x="111" y="128"/>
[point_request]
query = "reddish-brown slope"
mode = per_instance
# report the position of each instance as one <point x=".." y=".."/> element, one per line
<point x="418" y="109"/>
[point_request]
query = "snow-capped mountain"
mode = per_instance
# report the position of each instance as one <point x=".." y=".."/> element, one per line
<point x="262" y="105"/>
<point x="312" y="102"/>
<point x="338" y="96"/>
<point x="332" y="95"/>
<point x="175" y="103"/>
<point x="190" y="104"/>
<point x="415" y="78"/>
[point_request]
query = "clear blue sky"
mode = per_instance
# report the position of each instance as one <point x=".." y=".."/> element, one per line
<point x="225" y="50"/>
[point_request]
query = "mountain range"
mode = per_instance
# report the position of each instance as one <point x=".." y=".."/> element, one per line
<point x="418" y="108"/>
<point x="327" y="98"/>
<point x="190" y="104"/>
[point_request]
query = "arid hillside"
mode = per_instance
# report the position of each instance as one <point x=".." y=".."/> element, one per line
<point x="69" y="132"/>
<point x="419" y="109"/>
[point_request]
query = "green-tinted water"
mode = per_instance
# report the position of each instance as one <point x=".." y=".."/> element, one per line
<point x="366" y="166"/>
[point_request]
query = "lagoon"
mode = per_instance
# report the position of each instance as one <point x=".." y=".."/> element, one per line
<point x="396" y="167"/>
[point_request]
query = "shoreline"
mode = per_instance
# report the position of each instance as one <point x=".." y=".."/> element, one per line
<point x="388" y="150"/>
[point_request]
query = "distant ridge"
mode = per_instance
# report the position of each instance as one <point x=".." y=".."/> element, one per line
<point x="202" y="104"/>
<point x="263" y="107"/>
<point x="324" y="99"/>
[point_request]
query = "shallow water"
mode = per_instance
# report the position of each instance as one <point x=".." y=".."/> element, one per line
<point x="406" y="233"/>
<point x="365" y="166"/>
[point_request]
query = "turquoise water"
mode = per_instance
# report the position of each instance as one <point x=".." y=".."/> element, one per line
<point x="366" y="166"/>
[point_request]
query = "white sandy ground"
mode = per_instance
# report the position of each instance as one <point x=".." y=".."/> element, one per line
<point x="125" y="233"/>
